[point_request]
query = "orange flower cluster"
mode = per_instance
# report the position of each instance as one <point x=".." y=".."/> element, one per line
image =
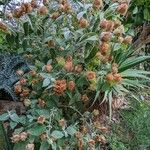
<point x="60" y="86"/>
<point x="114" y="76"/>
<point x="24" y="9"/>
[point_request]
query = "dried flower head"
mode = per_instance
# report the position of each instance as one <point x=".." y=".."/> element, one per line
<point x="18" y="89"/>
<point x="71" y="85"/>
<point x="43" y="10"/>
<point x="84" y="98"/>
<point x="95" y="112"/>
<point x="41" y="103"/>
<point x="23" y="136"/>
<point x="104" y="47"/>
<point x="106" y="36"/>
<point x="29" y="147"/>
<point x="43" y="136"/>
<point x="23" y="81"/>
<point x="51" y="43"/>
<point x="91" y="143"/>
<point x="3" y="27"/>
<point x="55" y="15"/>
<point x="62" y="123"/>
<point x="117" y="77"/>
<point x="68" y="64"/>
<point x="41" y="119"/>
<point x="15" y="138"/>
<point x="60" y="86"/>
<point x="78" y="68"/>
<point x="97" y="4"/>
<point x="91" y="75"/>
<point x="127" y="40"/>
<point x="48" y="68"/>
<point x="83" y="23"/>
<point x="109" y="77"/>
<point x="101" y="138"/>
<point x="27" y="102"/>
<point x="122" y="8"/>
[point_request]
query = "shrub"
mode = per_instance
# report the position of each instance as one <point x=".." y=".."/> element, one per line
<point x="80" y="57"/>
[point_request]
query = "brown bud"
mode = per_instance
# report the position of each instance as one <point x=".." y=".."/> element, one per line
<point x="43" y="136"/>
<point x="91" y="75"/>
<point x="106" y="36"/>
<point x="122" y="8"/>
<point x="20" y="72"/>
<point x="33" y="73"/>
<point x="62" y="123"/>
<point x="83" y="23"/>
<point x="23" y="136"/>
<point x="55" y="15"/>
<point x="78" y="68"/>
<point x="117" y="77"/>
<point x="51" y="43"/>
<point x="78" y="135"/>
<point x="95" y="112"/>
<point x="91" y="143"/>
<point x="97" y="4"/>
<point x="41" y="103"/>
<point x="84" y="98"/>
<point x="48" y="68"/>
<point x="15" y="138"/>
<point x="27" y="102"/>
<point x="23" y="81"/>
<point x="104" y="47"/>
<point x="43" y="10"/>
<point x="127" y="40"/>
<point x="18" y="89"/>
<point x="71" y="85"/>
<point x="109" y="77"/>
<point x="41" y="119"/>
<point x="29" y="147"/>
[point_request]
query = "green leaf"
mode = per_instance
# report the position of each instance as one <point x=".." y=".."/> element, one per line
<point x="135" y="10"/>
<point x="129" y="63"/>
<point x="37" y="130"/>
<point x="4" y="117"/>
<point x="19" y="146"/>
<point x="57" y="134"/>
<point x="14" y="117"/>
<point x="71" y="130"/>
<point x="91" y="54"/>
<point x="146" y="14"/>
<point x="13" y="124"/>
<point x="44" y="145"/>
<point x="46" y="82"/>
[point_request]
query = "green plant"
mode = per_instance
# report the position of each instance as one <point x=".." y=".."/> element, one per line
<point x="80" y="58"/>
<point x="133" y="130"/>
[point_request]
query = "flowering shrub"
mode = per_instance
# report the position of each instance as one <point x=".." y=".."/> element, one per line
<point x="81" y="57"/>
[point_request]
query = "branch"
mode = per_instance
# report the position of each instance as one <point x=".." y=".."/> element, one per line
<point x="144" y="37"/>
